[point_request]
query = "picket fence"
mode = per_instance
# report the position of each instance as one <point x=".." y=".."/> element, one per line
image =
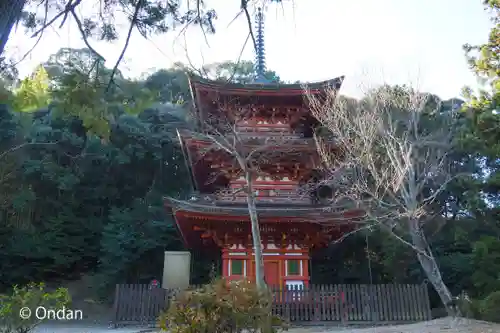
<point x="344" y="303"/>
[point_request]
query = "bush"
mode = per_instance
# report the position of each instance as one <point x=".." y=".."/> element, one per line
<point x="31" y="297"/>
<point x="221" y="307"/>
<point x="468" y="307"/>
<point x="490" y="307"/>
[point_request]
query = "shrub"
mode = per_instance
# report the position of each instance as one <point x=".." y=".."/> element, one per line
<point x="468" y="307"/>
<point x="490" y="307"/>
<point x="31" y="296"/>
<point x="221" y="307"/>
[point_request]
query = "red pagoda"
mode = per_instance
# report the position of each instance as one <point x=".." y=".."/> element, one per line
<point x="293" y="218"/>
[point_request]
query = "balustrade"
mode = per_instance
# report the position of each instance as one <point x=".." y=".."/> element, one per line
<point x="265" y="196"/>
<point x="258" y="127"/>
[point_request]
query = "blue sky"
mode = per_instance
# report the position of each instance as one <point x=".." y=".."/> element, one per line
<point x="416" y="42"/>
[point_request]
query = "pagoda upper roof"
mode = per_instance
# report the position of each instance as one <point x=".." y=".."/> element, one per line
<point x="199" y="83"/>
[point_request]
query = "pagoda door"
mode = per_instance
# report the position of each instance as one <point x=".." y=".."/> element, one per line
<point x="271" y="272"/>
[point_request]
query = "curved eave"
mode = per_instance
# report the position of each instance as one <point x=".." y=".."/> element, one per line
<point x="298" y="144"/>
<point x="312" y="214"/>
<point x="198" y="83"/>
<point x="185" y="240"/>
<point x="191" y="139"/>
<point x="188" y="215"/>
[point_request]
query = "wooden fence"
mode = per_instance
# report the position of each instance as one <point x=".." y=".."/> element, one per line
<point x="381" y="303"/>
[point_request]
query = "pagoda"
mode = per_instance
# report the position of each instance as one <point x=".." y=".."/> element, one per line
<point x="294" y="217"/>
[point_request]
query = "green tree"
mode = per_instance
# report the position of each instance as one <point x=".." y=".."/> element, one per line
<point x="486" y="277"/>
<point x="64" y="213"/>
<point x="484" y="108"/>
<point x="479" y="141"/>
<point x="79" y="83"/>
<point x="170" y="84"/>
<point x="31" y="296"/>
<point x="240" y="72"/>
<point x="33" y="92"/>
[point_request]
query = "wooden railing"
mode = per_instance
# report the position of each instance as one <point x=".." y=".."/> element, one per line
<point x="354" y="303"/>
<point x="241" y="197"/>
<point x="135" y="303"/>
<point x="265" y="192"/>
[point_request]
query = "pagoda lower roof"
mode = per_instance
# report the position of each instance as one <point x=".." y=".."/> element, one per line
<point x="199" y="83"/>
<point x="311" y="225"/>
<point x="305" y="212"/>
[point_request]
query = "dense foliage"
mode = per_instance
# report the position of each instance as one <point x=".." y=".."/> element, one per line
<point x="221" y="306"/>
<point x="57" y="183"/>
<point x="83" y="172"/>
<point x="32" y="296"/>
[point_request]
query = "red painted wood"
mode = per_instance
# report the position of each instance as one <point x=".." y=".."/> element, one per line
<point x="286" y="106"/>
<point x="279" y="93"/>
<point x="272" y="273"/>
<point x="274" y="264"/>
<point x="251" y="269"/>
<point x="245" y="218"/>
<point x="225" y="266"/>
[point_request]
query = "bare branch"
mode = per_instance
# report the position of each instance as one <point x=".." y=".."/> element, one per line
<point x="68" y="8"/>
<point x="68" y="5"/>
<point x="16" y="148"/>
<point x="39" y="36"/>
<point x="198" y="15"/>
<point x="238" y="61"/>
<point x="200" y="71"/>
<point x="355" y="231"/>
<point x="244" y="8"/>
<point x="133" y="21"/>
<point x="83" y="34"/>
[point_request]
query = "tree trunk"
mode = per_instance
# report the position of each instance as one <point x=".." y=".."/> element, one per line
<point x="10" y="12"/>
<point x="257" y="244"/>
<point x="430" y="266"/>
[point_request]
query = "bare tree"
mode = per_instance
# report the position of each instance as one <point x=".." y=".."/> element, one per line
<point x="394" y="163"/>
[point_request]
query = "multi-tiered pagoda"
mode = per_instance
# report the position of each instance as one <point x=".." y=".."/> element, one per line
<point x="294" y="217"/>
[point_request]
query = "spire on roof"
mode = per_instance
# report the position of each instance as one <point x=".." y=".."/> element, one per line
<point x="260" y="56"/>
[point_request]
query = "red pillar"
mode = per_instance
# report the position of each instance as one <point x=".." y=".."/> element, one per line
<point x="225" y="261"/>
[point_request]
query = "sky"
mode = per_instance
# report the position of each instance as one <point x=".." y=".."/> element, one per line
<point x="370" y="42"/>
